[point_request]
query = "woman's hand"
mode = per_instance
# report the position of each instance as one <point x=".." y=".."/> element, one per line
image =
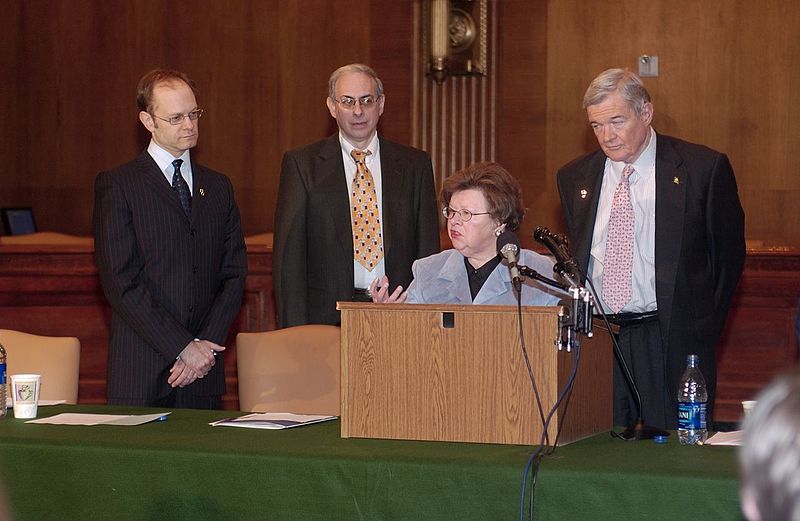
<point x="381" y="293"/>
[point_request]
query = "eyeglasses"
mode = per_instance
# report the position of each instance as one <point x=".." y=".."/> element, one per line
<point x="177" y="119"/>
<point x="349" y="103"/>
<point x="464" y="215"/>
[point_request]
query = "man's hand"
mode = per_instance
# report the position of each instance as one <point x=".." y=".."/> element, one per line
<point x="382" y="294"/>
<point x="195" y="361"/>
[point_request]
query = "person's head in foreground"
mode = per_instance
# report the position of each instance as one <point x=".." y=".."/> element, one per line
<point x="770" y="457"/>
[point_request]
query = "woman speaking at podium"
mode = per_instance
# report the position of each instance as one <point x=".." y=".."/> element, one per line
<point x="480" y="202"/>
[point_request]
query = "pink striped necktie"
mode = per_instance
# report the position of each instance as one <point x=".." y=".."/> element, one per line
<point x="618" y="262"/>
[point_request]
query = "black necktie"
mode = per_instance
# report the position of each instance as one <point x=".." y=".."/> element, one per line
<point x="182" y="189"/>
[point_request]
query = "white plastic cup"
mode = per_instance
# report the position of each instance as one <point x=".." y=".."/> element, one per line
<point x="25" y="392"/>
<point x="747" y="406"/>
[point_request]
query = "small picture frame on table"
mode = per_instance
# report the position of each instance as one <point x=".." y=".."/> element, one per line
<point x="18" y="221"/>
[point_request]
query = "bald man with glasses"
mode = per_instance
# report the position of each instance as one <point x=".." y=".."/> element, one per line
<point x="351" y="208"/>
<point x="171" y="258"/>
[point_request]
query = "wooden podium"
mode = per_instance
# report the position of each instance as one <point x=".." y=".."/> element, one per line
<point x="457" y="373"/>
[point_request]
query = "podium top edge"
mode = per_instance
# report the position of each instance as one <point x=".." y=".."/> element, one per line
<point x="373" y="306"/>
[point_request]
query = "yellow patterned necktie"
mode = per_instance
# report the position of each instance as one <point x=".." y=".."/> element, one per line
<point x="367" y="240"/>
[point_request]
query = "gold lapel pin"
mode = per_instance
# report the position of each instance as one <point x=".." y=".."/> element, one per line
<point x="203" y="193"/>
<point x="584" y="193"/>
<point x="676" y="180"/>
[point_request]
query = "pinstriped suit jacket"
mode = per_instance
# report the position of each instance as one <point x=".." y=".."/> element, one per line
<point x="168" y="278"/>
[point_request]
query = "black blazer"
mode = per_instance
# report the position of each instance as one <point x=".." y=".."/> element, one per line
<point x="168" y="278"/>
<point x="313" y="244"/>
<point x="699" y="244"/>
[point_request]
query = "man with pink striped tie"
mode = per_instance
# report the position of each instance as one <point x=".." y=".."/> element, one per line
<point x="657" y="227"/>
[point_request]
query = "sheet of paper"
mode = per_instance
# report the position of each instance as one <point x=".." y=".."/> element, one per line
<point x="733" y="438"/>
<point x="272" y="420"/>
<point x="10" y="404"/>
<point x="70" y="418"/>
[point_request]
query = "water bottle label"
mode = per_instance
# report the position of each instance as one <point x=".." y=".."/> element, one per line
<point x="691" y="415"/>
<point x="2" y="374"/>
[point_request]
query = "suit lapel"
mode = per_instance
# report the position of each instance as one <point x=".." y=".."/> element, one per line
<point x="671" y="181"/>
<point x="333" y="184"/>
<point x="451" y="283"/>
<point x="199" y="180"/>
<point x="393" y="193"/>
<point x="586" y="197"/>
<point x="155" y="180"/>
<point x="498" y="283"/>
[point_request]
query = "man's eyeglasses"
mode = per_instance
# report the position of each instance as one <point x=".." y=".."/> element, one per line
<point x="464" y="215"/>
<point x="177" y="119"/>
<point x="349" y="103"/>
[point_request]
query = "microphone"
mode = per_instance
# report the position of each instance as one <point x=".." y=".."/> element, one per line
<point x="508" y="248"/>
<point x="565" y="263"/>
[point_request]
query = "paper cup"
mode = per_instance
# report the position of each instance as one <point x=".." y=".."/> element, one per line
<point x="25" y="393"/>
<point x="747" y="406"/>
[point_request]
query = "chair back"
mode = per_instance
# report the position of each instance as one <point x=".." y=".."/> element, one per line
<point x="290" y="370"/>
<point x="55" y="358"/>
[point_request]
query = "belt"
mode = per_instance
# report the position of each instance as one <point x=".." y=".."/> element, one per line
<point x="361" y="295"/>
<point x="629" y="319"/>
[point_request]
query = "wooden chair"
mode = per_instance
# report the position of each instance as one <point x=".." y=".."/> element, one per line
<point x="290" y="370"/>
<point x="55" y="358"/>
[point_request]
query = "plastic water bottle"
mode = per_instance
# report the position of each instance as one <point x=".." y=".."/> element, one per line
<point x="3" y="384"/>
<point x="692" y="401"/>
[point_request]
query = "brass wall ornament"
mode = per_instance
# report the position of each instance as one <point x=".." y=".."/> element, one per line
<point x="455" y="37"/>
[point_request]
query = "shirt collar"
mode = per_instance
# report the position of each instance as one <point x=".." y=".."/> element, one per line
<point x="373" y="147"/>
<point x="164" y="159"/>
<point x="644" y="164"/>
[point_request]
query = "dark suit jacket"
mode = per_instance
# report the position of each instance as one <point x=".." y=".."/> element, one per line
<point x="313" y="245"/>
<point x="168" y="278"/>
<point x="699" y="244"/>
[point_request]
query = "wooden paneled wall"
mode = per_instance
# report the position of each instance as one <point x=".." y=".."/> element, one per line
<point x="728" y="79"/>
<point x="70" y="70"/>
<point x="728" y="74"/>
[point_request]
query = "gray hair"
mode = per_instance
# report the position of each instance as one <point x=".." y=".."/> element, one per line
<point x="770" y="456"/>
<point x="350" y="69"/>
<point x="628" y="84"/>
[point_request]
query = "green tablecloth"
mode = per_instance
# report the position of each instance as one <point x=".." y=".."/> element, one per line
<point x="185" y="469"/>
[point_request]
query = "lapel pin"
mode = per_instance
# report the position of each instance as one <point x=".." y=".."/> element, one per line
<point x="203" y="193"/>
<point x="676" y="180"/>
<point x="584" y="193"/>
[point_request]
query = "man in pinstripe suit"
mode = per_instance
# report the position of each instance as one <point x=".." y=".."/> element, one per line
<point x="171" y="258"/>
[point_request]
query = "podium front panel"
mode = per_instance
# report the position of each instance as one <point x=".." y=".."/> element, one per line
<point x="458" y="373"/>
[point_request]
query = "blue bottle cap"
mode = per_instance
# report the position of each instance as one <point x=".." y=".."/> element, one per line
<point x="660" y="439"/>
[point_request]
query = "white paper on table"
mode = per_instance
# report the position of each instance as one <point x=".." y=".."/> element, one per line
<point x="71" y="418"/>
<point x="733" y="438"/>
<point x="10" y="402"/>
<point x="272" y="420"/>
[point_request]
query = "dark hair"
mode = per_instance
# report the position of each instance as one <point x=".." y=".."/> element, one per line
<point x="144" y="91"/>
<point x="501" y="190"/>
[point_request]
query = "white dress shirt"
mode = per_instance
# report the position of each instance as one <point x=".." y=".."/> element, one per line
<point x="643" y="198"/>
<point x="164" y="161"/>
<point x="361" y="276"/>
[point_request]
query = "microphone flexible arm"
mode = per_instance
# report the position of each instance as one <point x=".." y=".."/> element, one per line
<point x="535" y="275"/>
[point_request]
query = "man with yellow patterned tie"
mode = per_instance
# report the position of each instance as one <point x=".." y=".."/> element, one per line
<point x="351" y="208"/>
